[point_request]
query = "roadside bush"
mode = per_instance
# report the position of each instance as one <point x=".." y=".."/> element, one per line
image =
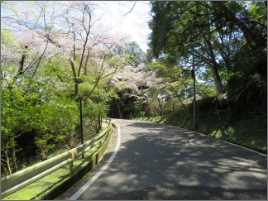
<point x="56" y="126"/>
<point x="95" y="112"/>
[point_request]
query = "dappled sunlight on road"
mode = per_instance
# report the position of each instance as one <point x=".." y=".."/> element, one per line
<point x="190" y="158"/>
<point x="163" y="162"/>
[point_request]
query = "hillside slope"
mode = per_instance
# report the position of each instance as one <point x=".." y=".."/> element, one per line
<point x="223" y="120"/>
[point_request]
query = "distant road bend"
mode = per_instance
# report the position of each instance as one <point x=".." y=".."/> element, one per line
<point x="156" y="162"/>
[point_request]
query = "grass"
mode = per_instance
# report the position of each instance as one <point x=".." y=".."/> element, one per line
<point x="158" y="119"/>
<point x="246" y="128"/>
<point x="41" y="187"/>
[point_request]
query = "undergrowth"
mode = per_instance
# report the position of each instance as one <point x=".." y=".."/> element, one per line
<point x="221" y="119"/>
<point x="43" y="186"/>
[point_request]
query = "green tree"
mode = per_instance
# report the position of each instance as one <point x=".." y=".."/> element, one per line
<point x="201" y="31"/>
<point x="132" y="51"/>
<point x="188" y="31"/>
<point x="55" y="125"/>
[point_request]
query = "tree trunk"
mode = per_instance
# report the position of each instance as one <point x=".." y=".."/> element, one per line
<point x="217" y="80"/>
<point x="85" y="66"/>
<point x="249" y="35"/>
<point x="7" y="161"/>
<point x="214" y="66"/>
<point x="99" y="123"/>
<point x="160" y="106"/>
<point x="14" y="159"/>
<point x="148" y="111"/>
<point x="118" y="106"/>
<point x="76" y="88"/>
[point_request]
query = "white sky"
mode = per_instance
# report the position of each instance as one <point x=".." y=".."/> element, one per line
<point x="134" y="23"/>
<point x="116" y="16"/>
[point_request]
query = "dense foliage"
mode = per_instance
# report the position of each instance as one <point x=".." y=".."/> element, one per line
<point x="225" y="42"/>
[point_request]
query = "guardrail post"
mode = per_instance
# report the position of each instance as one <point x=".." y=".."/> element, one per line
<point x="71" y="164"/>
<point x="100" y="143"/>
<point x="72" y="156"/>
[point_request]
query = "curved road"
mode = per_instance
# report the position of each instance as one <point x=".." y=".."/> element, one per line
<point x="156" y="162"/>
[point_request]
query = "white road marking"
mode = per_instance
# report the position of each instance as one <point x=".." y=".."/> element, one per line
<point x="85" y="187"/>
<point x="227" y="142"/>
<point x="244" y="148"/>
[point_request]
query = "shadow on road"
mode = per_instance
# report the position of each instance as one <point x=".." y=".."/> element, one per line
<point x="171" y="163"/>
<point x="190" y="193"/>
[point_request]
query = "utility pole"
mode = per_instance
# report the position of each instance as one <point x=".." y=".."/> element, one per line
<point x="81" y="122"/>
<point x="194" y="103"/>
<point x="185" y="74"/>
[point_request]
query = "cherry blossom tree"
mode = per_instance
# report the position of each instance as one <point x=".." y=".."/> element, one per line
<point x="140" y="83"/>
<point x="44" y="48"/>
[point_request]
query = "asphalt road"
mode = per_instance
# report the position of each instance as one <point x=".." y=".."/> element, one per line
<point x="163" y="162"/>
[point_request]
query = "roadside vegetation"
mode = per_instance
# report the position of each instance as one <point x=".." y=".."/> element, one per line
<point x="220" y="119"/>
<point x="54" y="56"/>
<point x="40" y="188"/>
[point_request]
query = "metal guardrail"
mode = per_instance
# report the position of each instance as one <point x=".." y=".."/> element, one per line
<point x="22" y="178"/>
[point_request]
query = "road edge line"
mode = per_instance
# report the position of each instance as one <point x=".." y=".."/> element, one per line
<point x="237" y="145"/>
<point x="95" y="177"/>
